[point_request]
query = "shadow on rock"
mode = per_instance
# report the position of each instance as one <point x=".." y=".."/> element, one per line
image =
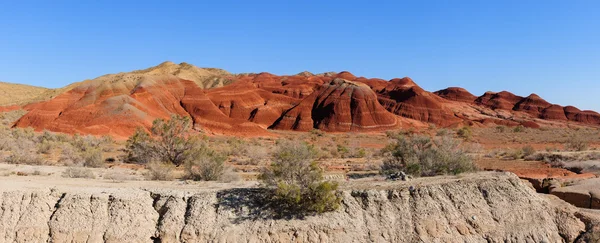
<point x="251" y="204"/>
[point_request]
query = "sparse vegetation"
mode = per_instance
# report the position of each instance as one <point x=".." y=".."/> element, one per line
<point x="528" y="150"/>
<point x="206" y="167"/>
<point x="576" y="143"/>
<point x="160" y="171"/>
<point x="519" y="128"/>
<point x="423" y="156"/>
<point x="296" y="182"/>
<point x="500" y="129"/>
<point x="78" y="172"/>
<point x="169" y="141"/>
<point x="465" y="133"/>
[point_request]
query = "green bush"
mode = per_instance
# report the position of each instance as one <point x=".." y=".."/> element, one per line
<point x="423" y="156"/>
<point x="296" y="182"/>
<point x="343" y="151"/>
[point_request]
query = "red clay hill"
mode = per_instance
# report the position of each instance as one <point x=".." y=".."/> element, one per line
<point x="251" y="104"/>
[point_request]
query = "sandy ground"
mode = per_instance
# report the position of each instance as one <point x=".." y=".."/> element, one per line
<point x="50" y="177"/>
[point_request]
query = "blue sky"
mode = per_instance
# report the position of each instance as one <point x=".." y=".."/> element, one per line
<point x="549" y="47"/>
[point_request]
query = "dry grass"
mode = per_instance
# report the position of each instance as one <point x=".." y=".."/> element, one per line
<point x="16" y="94"/>
<point x="78" y="172"/>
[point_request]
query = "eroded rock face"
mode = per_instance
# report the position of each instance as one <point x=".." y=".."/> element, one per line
<point x="405" y="98"/>
<point x="532" y="104"/>
<point x="118" y="108"/>
<point x="456" y="94"/>
<point x="339" y="105"/>
<point x="501" y="100"/>
<point x="493" y="208"/>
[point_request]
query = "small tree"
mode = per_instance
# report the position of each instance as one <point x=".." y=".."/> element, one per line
<point x="169" y="141"/>
<point x="296" y="181"/>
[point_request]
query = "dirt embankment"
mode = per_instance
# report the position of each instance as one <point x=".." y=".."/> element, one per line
<point x="492" y="207"/>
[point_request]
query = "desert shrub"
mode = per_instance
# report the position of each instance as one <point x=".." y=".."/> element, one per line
<point x="69" y="155"/>
<point x="206" y="167"/>
<point x="45" y="147"/>
<point x="46" y="137"/>
<point x="169" y="141"/>
<point x="500" y="129"/>
<point x="229" y="175"/>
<point x="576" y="143"/>
<point x="83" y="143"/>
<point x="23" y="133"/>
<point x="519" y="128"/>
<point x="118" y="176"/>
<point x="360" y="153"/>
<point x="296" y="182"/>
<point x="555" y="160"/>
<point x="528" y="150"/>
<point x="6" y="140"/>
<point x="23" y="152"/>
<point x="236" y="147"/>
<point x="160" y="171"/>
<point x="92" y="158"/>
<point x="24" y="157"/>
<point x="257" y="154"/>
<point x="465" y="133"/>
<point x="442" y="132"/>
<point x="78" y="172"/>
<point x="514" y="154"/>
<point x="317" y="132"/>
<point x="423" y="156"/>
<point x="139" y="147"/>
<point x="343" y="151"/>
<point x="8" y="118"/>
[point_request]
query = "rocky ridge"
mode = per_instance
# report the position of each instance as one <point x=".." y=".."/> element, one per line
<point x="249" y="104"/>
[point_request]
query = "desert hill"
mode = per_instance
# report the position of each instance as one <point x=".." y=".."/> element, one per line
<point x="17" y="94"/>
<point x="250" y="104"/>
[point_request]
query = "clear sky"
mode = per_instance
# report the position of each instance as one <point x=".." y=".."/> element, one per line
<point x="548" y="47"/>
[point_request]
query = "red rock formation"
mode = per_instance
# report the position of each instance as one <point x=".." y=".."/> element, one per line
<point x="244" y="100"/>
<point x="532" y="104"/>
<point x="456" y="94"/>
<point x="403" y="97"/>
<point x="554" y="112"/>
<point x="588" y="117"/>
<point x="248" y="104"/>
<point x="118" y="108"/>
<point x="340" y="105"/>
<point x="502" y="100"/>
